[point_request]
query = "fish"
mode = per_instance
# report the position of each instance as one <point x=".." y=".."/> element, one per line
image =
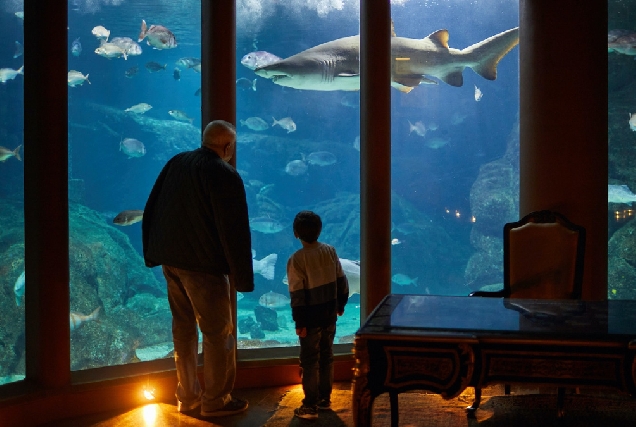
<point x="197" y="92"/>
<point x="254" y="123"/>
<point x="101" y="33"/>
<point x="403" y="280"/>
<point x="432" y="126"/>
<point x="153" y="66"/>
<point x="176" y="74"/>
<point x="132" y="147"/>
<point x="296" y="167"/>
<point x="75" y="78"/>
<point x="139" y="108"/>
<point x="436" y="142"/>
<point x="622" y="41"/>
<point x="266" y="266"/>
<point x="5" y="153"/>
<point x="632" y="121"/>
<point x="20" y="15"/>
<point x="110" y="51"/>
<point x="458" y="118"/>
<point x="266" y="225"/>
<point x="78" y="319"/>
<point x="18" y="288"/>
<point x="244" y="83"/>
<point x="478" y="94"/>
<point x="274" y="300"/>
<point x="19" y="50"/>
<point x="321" y="158"/>
<point x="128" y="45"/>
<point x="356" y="143"/>
<point x="7" y="74"/>
<point x="131" y="71"/>
<point x="128" y="217"/>
<point x="286" y="123"/>
<point x="335" y="65"/>
<point x="352" y="271"/>
<point x="189" y="62"/>
<point x="76" y="47"/>
<point x="396" y="241"/>
<point x="620" y="194"/>
<point x="180" y="115"/>
<point x="259" y="58"/>
<point x="157" y="36"/>
<point x="418" y="128"/>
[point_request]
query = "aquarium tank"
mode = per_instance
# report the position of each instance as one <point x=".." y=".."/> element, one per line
<point x="134" y="101"/>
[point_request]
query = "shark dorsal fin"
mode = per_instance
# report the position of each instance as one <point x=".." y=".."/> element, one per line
<point x="439" y="38"/>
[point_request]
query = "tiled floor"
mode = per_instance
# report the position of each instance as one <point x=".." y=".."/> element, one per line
<point x="262" y="404"/>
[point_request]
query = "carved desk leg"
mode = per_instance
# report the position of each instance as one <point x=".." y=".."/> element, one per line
<point x="362" y="398"/>
<point x="473" y="408"/>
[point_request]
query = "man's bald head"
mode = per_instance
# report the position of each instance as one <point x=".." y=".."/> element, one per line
<point x="220" y="136"/>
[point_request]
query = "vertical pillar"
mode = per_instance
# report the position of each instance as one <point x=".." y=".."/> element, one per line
<point x="563" y="121"/>
<point x="46" y="193"/>
<point x="375" y="153"/>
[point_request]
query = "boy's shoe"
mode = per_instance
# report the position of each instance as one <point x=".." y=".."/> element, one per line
<point x="233" y="407"/>
<point x="306" y="412"/>
<point x="324" y="404"/>
<point x="182" y="407"/>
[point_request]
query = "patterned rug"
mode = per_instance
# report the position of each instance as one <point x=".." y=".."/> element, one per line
<point x="418" y="409"/>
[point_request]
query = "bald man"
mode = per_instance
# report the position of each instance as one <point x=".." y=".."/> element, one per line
<point x="196" y="226"/>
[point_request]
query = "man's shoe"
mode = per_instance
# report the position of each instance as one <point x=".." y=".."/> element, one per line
<point x="233" y="407"/>
<point x="324" y="404"/>
<point x="306" y="412"/>
<point x="181" y="407"/>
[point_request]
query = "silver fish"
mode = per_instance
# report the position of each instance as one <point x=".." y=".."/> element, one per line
<point x="335" y="65"/>
<point x="257" y="59"/>
<point x="18" y="288"/>
<point x="101" y="33"/>
<point x="352" y="271"/>
<point x="418" y="128"/>
<point x="5" y="153"/>
<point x="188" y="62"/>
<point x="78" y="319"/>
<point x="19" y="49"/>
<point x="9" y="73"/>
<point x="128" y="217"/>
<point x="274" y="300"/>
<point x="478" y="94"/>
<point x="157" y="36"/>
<point x="296" y="167"/>
<point x="139" y="108"/>
<point x="403" y="280"/>
<point x="75" y="78"/>
<point x="153" y="66"/>
<point x="128" y="45"/>
<point x="255" y="123"/>
<point x="266" y="225"/>
<point x="132" y="147"/>
<point x="110" y="51"/>
<point x="76" y="47"/>
<point x="620" y="194"/>
<point x="321" y="158"/>
<point x="286" y="123"/>
<point x="180" y="115"/>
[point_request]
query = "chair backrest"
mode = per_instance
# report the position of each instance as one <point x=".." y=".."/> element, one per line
<point x="543" y="257"/>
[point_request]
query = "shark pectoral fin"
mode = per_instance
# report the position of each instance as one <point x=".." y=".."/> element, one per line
<point x="454" y="79"/>
<point x="401" y="88"/>
<point x="412" y="80"/>
<point x="427" y="81"/>
<point x="439" y="38"/>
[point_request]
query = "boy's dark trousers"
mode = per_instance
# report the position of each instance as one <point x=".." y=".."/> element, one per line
<point x="316" y="363"/>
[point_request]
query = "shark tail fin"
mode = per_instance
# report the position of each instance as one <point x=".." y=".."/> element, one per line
<point x="487" y="53"/>
<point x="268" y="265"/>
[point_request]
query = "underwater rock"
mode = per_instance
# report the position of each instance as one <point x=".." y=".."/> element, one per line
<point x="257" y="333"/>
<point x="621" y="261"/>
<point x="104" y="272"/>
<point x="266" y="317"/>
<point x="494" y="201"/>
<point x="245" y="325"/>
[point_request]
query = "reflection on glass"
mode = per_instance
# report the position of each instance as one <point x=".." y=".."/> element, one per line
<point x="621" y="42"/>
<point x="455" y="143"/>
<point x="12" y="277"/>
<point x="134" y="76"/>
<point x="298" y="148"/>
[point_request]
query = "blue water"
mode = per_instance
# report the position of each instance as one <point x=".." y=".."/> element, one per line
<point x="431" y="186"/>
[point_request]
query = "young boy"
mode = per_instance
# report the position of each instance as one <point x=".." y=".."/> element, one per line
<point x="319" y="292"/>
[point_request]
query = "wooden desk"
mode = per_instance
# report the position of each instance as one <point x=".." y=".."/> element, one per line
<point x="445" y="344"/>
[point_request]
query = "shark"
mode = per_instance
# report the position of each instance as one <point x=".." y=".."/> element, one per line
<point x="335" y="65"/>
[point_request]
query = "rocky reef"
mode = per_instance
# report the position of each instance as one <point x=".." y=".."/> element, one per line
<point x="117" y="305"/>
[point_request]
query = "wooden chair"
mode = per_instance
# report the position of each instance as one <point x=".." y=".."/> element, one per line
<point x="543" y="259"/>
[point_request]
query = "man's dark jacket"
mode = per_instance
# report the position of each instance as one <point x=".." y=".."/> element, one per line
<point x="196" y="218"/>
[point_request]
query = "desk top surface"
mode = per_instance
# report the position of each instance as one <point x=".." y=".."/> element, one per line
<point x="427" y="315"/>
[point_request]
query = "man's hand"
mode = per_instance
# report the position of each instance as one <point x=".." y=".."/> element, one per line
<point x="301" y="332"/>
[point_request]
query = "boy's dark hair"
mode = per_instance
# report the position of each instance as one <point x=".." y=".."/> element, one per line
<point x="307" y="226"/>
